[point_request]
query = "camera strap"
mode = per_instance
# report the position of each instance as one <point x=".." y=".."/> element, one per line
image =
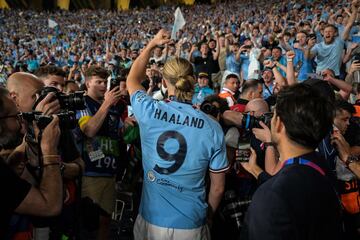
<point x="301" y="161"/>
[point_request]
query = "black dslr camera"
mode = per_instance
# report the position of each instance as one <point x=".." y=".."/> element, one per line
<point x="71" y="102"/>
<point x="209" y="109"/>
<point x="67" y="120"/>
<point x="249" y="122"/>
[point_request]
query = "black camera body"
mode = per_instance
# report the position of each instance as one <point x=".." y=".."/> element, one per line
<point x="210" y="109"/>
<point x="356" y="57"/>
<point x="67" y="120"/>
<point x="71" y="102"/>
<point x="113" y="82"/>
<point x="311" y="35"/>
<point x="249" y="122"/>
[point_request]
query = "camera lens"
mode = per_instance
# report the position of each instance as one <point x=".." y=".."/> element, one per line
<point x="73" y="101"/>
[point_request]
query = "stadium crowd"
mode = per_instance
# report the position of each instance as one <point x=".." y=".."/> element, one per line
<point x="245" y="125"/>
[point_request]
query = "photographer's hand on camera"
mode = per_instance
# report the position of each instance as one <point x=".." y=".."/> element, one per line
<point x="263" y="134"/>
<point x="50" y="138"/>
<point x="49" y="105"/>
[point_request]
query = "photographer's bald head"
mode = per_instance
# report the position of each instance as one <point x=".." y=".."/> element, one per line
<point x="258" y="106"/>
<point x="23" y="88"/>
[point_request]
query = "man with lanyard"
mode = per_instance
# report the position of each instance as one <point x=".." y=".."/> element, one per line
<point x="299" y="202"/>
<point x="99" y="140"/>
<point x="180" y="144"/>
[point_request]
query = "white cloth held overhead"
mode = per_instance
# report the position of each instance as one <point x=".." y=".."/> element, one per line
<point x="178" y="23"/>
<point x="52" y="23"/>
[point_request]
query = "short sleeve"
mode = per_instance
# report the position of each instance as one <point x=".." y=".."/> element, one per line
<point x="142" y="105"/>
<point x="218" y="161"/>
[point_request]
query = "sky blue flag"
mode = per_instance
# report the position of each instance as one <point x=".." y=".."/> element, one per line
<point x="178" y="23"/>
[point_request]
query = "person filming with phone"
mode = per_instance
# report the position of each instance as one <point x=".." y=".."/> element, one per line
<point x="100" y="142"/>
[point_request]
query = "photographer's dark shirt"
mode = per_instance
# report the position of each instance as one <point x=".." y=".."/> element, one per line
<point x="297" y="203"/>
<point x="14" y="191"/>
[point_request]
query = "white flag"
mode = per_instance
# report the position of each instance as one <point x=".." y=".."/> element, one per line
<point x="178" y="23"/>
<point x="52" y="23"/>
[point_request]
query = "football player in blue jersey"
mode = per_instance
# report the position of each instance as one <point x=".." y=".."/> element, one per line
<point x="180" y="144"/>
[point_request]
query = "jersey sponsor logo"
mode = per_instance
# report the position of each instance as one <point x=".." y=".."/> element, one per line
<point x="168" y="183"/>
<point x="179" y="119"/>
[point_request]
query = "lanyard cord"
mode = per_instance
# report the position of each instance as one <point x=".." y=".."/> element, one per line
<point x="300" y="161"/>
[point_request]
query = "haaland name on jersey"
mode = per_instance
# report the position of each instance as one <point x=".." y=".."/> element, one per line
<point x="178" y="119"/>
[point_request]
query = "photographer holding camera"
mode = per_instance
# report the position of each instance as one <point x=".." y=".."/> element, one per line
<point x="300" y="195"/>
<point x="29" y="94"/>
<point x="20" y="196"/>
<point x="24" y="89"/>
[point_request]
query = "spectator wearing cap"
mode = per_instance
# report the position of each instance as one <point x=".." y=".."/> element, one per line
<point x="202" y="89"/>
<point x="230" y="88"/>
